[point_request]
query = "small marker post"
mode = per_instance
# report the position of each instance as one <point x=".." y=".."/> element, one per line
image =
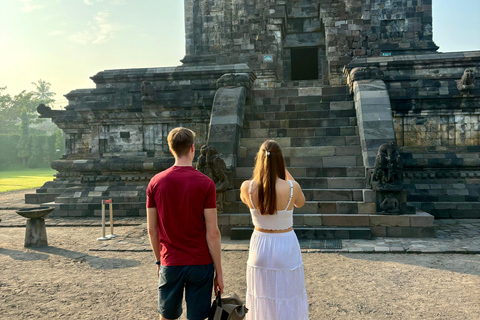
<point x="103" y="238"/>
<point x="110" y="208"/>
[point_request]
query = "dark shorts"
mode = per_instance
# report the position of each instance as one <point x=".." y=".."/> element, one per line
<point x="198" y="284"/>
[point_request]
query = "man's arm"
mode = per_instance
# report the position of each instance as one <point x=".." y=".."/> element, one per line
<point x="152" y="225"/>
<point x="214" y="246"/>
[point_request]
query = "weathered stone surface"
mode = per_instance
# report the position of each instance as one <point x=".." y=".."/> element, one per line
<point x="36" y="233"/>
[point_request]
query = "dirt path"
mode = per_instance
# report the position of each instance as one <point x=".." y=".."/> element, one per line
<point x="67" y="281"/>
<point x="14" y="200"/>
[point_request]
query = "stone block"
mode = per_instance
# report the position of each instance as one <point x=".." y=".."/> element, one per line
<point x="312" y="219"/>
<point x="298" y="220"/>
<point x="379" y="231"/>
<point x="241" y="233"/>
<point x="369" y="195"/>
<point x="394" y="232"/>
<point x="346" y="207"/>
<point x="389" y="220"/>
<point x="421" y="219"/>
<point x="367" y="207"/>
<point x="349" y="220"/>
<point x="240" y="219"/>
<point x="223" y="219"/>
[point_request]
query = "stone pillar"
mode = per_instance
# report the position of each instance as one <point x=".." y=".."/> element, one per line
<point x="36" y="233"/>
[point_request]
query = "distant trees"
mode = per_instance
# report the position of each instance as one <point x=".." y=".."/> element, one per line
<point x="22" y="141"/>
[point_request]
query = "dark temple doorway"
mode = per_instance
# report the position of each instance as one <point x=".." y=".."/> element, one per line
<point x="304" y="63"/>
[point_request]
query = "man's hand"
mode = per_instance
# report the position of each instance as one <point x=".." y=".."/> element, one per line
<point x="158" y="271"/>
<point x="218" y="284"/>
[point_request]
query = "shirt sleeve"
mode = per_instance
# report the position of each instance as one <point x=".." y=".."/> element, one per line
<point x="150" y="197"/>
<point x="211" y="200"/>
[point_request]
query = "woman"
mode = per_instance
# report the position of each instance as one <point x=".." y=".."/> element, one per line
<point x="275" y="278"/>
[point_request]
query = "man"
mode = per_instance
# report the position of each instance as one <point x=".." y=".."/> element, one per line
<point x="183" y="233"/>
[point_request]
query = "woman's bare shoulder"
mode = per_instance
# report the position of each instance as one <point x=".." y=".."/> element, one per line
<point x="245" y="185"/>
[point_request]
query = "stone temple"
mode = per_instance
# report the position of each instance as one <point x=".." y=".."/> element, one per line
<point x="331" y="80"/>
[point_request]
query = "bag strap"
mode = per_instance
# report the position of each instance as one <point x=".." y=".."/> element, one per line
<point x="219" y="299"/>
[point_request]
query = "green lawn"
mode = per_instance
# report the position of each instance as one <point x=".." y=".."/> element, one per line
<point x="21" y="179"/>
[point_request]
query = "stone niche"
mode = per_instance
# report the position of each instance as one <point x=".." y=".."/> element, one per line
<point x="304" y="39"/>
<point x="116" y="134"/>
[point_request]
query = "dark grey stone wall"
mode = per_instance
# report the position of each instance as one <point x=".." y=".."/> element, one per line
<point x="262" y="33"/>
<point x="437" y="127"/>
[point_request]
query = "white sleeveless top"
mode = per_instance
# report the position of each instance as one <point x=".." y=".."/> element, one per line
<point x="283" y="219"/>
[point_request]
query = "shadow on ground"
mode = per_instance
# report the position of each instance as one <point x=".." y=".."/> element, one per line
<point x="459" y="263"/>
<point x="23" y="255"/>
<point x="93" y="261"/>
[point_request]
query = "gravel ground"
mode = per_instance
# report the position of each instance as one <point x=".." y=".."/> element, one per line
<point x="67" y="281"/>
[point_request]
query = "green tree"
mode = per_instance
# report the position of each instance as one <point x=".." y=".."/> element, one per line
<point x="36" y="157"/>
<point x="11" y="110"/>
<point x="42" y="92"/>
<point x="23" y="145"/>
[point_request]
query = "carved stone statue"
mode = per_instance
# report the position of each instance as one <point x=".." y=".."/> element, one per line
<point x="210" y="164"/>
<point x="467" y="82"/>
<point x="387" y="181"/>
<point x="390" y="205"/>
<point x="148" y="92"/>
<point x="388" y="170"/>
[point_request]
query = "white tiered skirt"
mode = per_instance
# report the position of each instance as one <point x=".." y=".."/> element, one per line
<point x="275" y="278"/>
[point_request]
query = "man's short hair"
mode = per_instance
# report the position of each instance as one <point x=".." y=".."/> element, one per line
<point x="180" y="140"/>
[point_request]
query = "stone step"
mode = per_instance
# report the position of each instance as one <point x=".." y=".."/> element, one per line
<point x="314" y="207"/>
<point x="274" y="133"/>
<point x="317" y="233"/>
<point x="300" y="123"/>
<point x="302" y="100"/>
<point x="304" y="142"/>
<point x="320" y="195"/>
<point x="312" y="162"/>
<point x="279" y="115"/>
<point x="323" y="183"/>
<point x="317" y="151"/>
<point x="297" y="172"/>
<point x="309" y="106"/>
<point x="317" y="91"/>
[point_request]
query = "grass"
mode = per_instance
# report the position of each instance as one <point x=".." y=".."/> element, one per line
<point x="22" y="179"/>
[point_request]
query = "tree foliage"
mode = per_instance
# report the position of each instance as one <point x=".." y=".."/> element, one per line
<point x="20" y="143"/>
<point x="42" y="92"/>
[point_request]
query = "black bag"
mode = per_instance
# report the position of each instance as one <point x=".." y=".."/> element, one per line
<point x="227" y="308"/>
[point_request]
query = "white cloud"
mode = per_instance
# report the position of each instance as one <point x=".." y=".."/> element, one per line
<point x="88" y="2"/>
<point x="99" y="30"/>
<point x="30" y="5"/>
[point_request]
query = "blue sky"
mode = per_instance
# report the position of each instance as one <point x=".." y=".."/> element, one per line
<point x="67" y="41"/>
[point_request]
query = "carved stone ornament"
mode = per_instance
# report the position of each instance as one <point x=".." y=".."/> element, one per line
<point x="236" y="80"/>
<point x="467" y="82"/>
<point x="363" y="73"/>
<point x="390" y="204"/>
<point x="210" y="164"/>
<point x="388" y="171"/>
<point x="43" y="110"/>
<point x="148" y="92"/>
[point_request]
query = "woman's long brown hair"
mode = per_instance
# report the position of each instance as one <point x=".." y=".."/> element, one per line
<point x="269" y="164"/>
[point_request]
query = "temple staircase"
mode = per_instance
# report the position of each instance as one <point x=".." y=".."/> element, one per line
<point x="316" y="127"/>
